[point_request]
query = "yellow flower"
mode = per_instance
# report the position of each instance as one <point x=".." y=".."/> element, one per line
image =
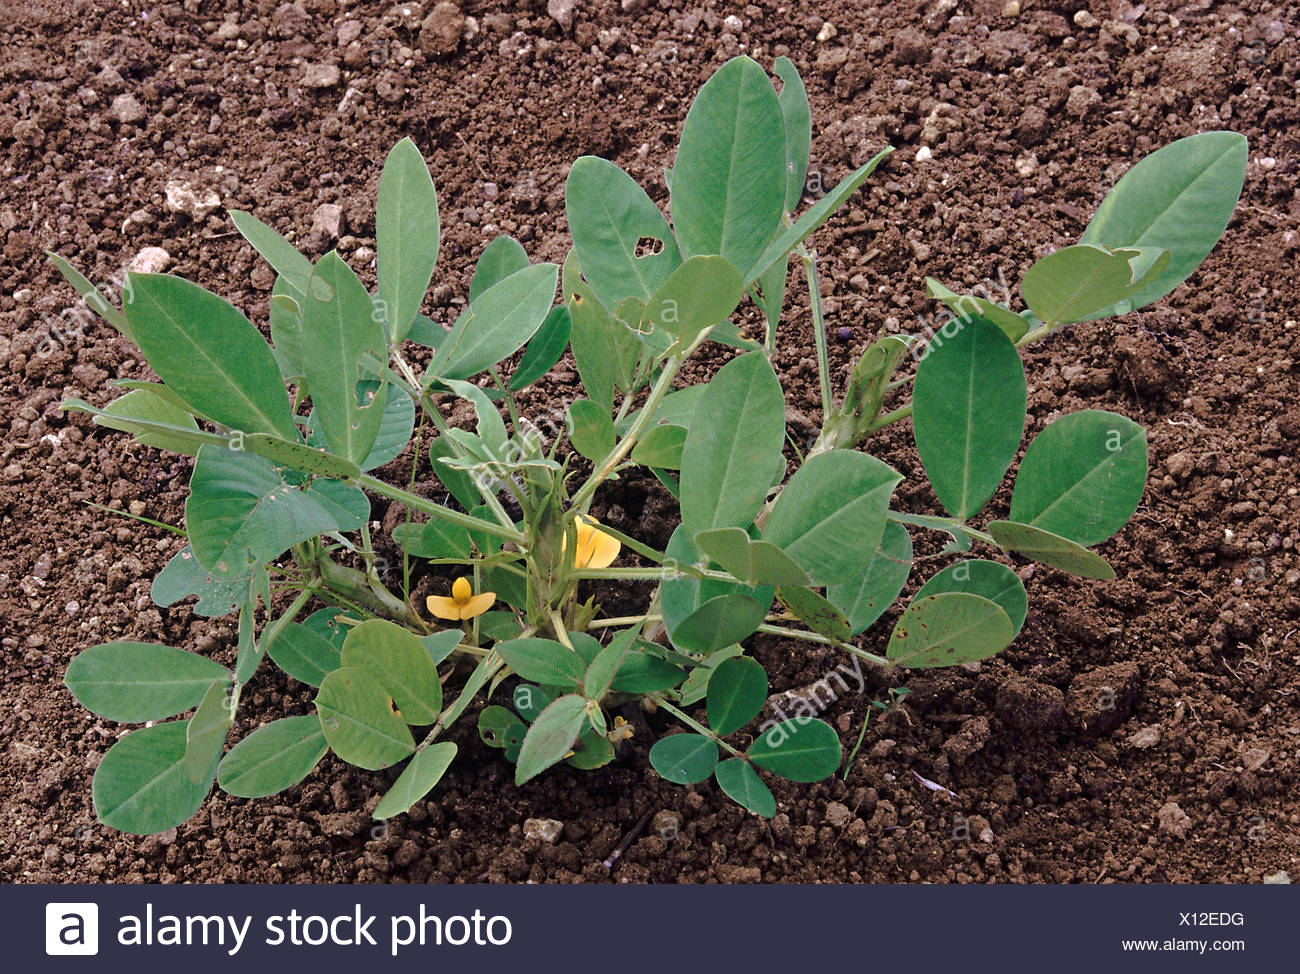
<point x="596" y="549"/>
<point x="463" y="604"/>
<point x="621" y="731"/>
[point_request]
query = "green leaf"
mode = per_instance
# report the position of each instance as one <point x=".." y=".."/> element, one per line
<point x="293" y="268"/>
<point x="684" y="759"/>
<point x="737" y="692"/>
<point x="700" y="293"/>
<point x="591" y="431"/>
<point x="241" y="512"/>
<point x="400" y="664"/>
<point x="433" y="539"/>
<point x="813" y="217"/>
<point x="91" y="296"/>
<point x="142" y="786"/>
<point x="968" y="414"/>
<point x="800" y="749"/>
<point x="544" y="349"/>
<point x="602" y="670"/>
<point x="494" y="725"/>
<point x="497" y="324"/>
<point x="406" y="236"/>
<point x="949" y="629"/>
<point x="621" y="239"/>
<point x="359" y="720"/>
<point x="970" y="306"/>
<point x="797" y="116"/>
<point x="551" y="736"/>
<point x="727" y="461"/>
<point x="661" y="447"/>
<point x="592" y="750"/>
<point x="605" y="351"/>
<point x="543" y="661"/>
<point x="1049" y="549"/>
<point x="151" y="407"/>
<point x="995" y="582"/>
<point x="1083" y="282"/>
<point x="274" y="757"/>
<point x="729" y="180"/>
<point x="286" y="328"/>
<point x="752" y="562"/>
<point x="741" y="783"/>
<point x="395" y="428"/>
<point x="864" y="598"/>
<point x="134" y="682"/>
<point x="502" y="257"/>
<point x="818" y="614"/>
<point x="205" y="732"/>
<point x="718" y="623"/>
<point x="184" y="576"/>
<point x="440" y="645"/>
<point x="529" y="701"/>
<point x="832" y="512"/>
<point x="677" y="408"/>
<point x="416" y="780"/>
<point x="248" y="654"/>
<point x="1180" y="199"/>
<point x="1082" y="477"/>
<point x="339" y="329"/>
<point x="458" y="483"/>
<point x="697" y="683"/>
<point x="208" y="353"/>
<point x="304" y="654"/>
<point x="643" y="671"/>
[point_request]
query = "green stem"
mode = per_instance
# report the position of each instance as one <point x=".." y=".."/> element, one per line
<point x="819" y="328"/>
<point x="693" y="724"/>
<point x="487" y="667"/>
<point x="624" y="446"/>
<point x="814" y="637"/>
<point x="902" y="412"/>
<point x="358" y="588"/>
<point x="615" y="622"/>
<point x="426" y="506"/>
<point x="948" y="525"/>
<point x="272" y="631"/>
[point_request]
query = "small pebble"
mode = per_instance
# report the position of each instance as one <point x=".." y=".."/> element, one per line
<point x="546" y="829"/>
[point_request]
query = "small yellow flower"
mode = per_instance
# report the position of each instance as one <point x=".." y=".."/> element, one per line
<point x="463" y="604"/>
<point x="621" y="731"/>
<point x="596" y="549"/>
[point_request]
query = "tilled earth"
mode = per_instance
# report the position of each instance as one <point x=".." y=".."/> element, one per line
<point x="1141" y="730"/>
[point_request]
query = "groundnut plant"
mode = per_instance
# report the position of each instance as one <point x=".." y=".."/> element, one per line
<point x="286" y="437"/>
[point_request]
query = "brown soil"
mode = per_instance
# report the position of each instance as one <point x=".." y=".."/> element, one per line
<point x="1055" y="772"/>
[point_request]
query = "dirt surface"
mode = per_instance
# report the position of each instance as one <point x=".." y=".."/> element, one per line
<point x="1141" y="730"/>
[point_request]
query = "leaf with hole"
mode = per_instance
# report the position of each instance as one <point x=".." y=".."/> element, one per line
<point x="400" y="664"/>
<point x="612" y="220"/>
<point x="815" y="612"/>
<point x="338" y="330"/>
<point x="359" y="721"/>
